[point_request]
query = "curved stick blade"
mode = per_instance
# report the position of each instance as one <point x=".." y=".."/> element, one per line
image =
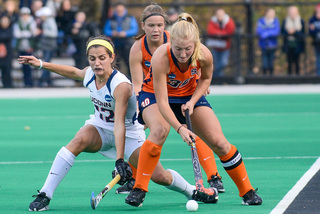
<point x="93" y="201"/>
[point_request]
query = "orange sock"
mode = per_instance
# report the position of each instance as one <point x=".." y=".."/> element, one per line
<point x="148" y="159"/>
<point x="233" y="164"/>
<point x="134" y="171"/>
<point x="206" y="158"/>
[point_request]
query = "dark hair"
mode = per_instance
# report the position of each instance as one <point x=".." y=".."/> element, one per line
<point x="103" y="37"/>
<point x="149" y="10"/>
<point x="121" y="2"/>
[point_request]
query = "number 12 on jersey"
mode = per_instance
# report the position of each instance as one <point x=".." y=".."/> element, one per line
<point x="105" y="114"/>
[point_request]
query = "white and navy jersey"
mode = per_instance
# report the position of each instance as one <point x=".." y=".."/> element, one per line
<point x="104" y="101"/>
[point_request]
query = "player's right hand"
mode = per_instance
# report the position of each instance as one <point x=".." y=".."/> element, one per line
<point x="207" y="92"/>
<point x="123" y="169"/>
<point x="186" y="135"/>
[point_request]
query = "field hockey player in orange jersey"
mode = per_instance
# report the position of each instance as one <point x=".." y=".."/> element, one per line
<point x="173" y="82"/>
<point x="153" y="20"/>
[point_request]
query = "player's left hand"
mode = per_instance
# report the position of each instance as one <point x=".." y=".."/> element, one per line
<point x="186" y="135"/>
<point x="123" y="169"/>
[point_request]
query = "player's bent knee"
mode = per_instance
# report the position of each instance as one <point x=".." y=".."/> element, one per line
<point x="160" y="133"/>
<point x="221" y="146"/>
<point x="79" y="142"/>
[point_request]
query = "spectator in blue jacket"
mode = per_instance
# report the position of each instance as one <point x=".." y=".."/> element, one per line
<point x="122" y="27"/>
<point x="314" y="31"/>
<point x="268" y="30"/>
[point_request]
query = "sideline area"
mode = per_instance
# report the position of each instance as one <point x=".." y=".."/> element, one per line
<point x="215" y="90"/>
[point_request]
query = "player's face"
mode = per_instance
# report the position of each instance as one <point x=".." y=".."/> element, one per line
<point x="154" y="27"/>
<point x="99" y="60"/>
<point x="182" y="49"/>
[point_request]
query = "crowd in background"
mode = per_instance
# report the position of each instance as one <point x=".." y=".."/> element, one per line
<point x="293" y="31"/>
<point x="45" y="28"/>
<point x="49" y="28"/>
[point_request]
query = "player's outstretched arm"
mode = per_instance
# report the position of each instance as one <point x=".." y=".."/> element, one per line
<point x="64" y="70"/>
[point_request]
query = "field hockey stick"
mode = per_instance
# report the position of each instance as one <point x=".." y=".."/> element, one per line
<point x="94" y="201"/>
<point x="195" y="161"/>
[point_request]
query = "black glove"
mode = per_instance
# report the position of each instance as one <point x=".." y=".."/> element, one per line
<point x="124" y="170"/>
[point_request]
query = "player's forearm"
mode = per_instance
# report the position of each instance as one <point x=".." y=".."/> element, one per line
<point x="137" y="80"/>
<point x="119" y="135"/>
<point x="201" y="89"/>
<point x="137" y="88"/>
<point x="63" y="70"/>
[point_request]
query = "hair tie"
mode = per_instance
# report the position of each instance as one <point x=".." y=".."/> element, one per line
<point x="184" y="19"/>
<point x="152" y="14"/>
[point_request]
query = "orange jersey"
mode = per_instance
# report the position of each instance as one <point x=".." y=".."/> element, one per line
<point x="179" y="84"/>
<point x="146" y="55"/>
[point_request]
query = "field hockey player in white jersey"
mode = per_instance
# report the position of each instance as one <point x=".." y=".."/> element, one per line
<point x="112" y="131"/>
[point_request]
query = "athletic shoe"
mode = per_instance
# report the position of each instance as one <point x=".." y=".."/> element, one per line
<point x="204" y="197"/>
<point x="136" y="197"/>
<point x="41" y="203"/>
<point x="252" y="198"/>
<point x="215" y="182"/>
<point x="127" y="187"/>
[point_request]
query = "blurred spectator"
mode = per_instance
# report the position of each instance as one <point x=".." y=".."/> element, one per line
<point x="314" y="31"/>
<point x="35" y="6"/>
<point x="11" y="11"/>
<point x="54" y="5"/>
<point x="6" y="35"/>
<point x="24" y="31"/>
<point x="220" y="29"/>
<point x="173" y="16"/>
<point x="268" y="30"/>
<point x="81" y="31"/>
<point x="294" y="41"/>
<point x="121" y="27"/>
<point x="48" y="41"/>
<point x="64" y="18"/>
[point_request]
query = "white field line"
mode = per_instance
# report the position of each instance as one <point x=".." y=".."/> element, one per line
<point x="270" y="114"/>
<point x="292" y="194"/>
<point x="264" y="89"/>
<point x="36" y="93"/>
<point x="44" y="117"/>
<point x="163" y="160"/>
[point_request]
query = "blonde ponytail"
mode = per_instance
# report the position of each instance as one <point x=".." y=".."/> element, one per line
<point x="187" y="28"/>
